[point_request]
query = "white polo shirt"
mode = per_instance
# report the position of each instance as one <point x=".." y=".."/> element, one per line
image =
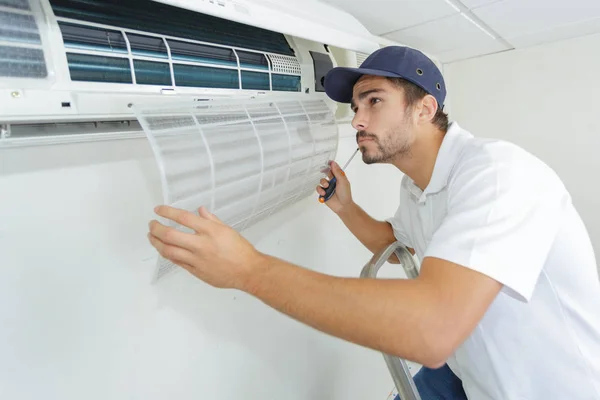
<point x="494" y="208"/>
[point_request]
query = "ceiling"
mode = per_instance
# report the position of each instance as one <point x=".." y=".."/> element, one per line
<point x="453" y="30"/>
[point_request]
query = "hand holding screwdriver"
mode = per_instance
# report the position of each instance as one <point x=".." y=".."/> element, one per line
<point x="327" y="189"/>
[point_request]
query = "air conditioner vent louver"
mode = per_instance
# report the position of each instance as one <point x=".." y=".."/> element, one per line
<point x="21" y="48"/>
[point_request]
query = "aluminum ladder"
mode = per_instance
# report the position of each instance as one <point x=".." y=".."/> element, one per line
<point x="397" y="366"/>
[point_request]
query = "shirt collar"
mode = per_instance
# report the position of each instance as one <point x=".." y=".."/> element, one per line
<point x="451" y="148"/>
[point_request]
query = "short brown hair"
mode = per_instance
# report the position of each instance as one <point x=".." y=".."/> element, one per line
<point x="414" y="93"/>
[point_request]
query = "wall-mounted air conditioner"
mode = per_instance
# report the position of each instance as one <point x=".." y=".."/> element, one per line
<point x="73" y="68"/>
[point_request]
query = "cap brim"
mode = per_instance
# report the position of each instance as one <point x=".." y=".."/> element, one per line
<point x="339" y="81"/>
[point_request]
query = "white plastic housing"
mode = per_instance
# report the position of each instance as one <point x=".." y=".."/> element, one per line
<point x="308" y="19"/>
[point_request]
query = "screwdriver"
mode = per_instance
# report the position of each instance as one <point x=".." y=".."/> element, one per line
<point x="332" y="183"/>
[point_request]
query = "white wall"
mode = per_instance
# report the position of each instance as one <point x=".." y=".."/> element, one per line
<point x="546" y="99"/>
<point x="79" y="318"/>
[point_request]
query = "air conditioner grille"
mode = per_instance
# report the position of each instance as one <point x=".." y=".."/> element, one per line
<point x="163" y="19"/>
<point x="284" y="64"/>
<point x="114" y="55"/>
<point x="360" y="58"/>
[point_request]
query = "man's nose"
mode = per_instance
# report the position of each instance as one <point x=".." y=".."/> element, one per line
<point x="360" y="121"/>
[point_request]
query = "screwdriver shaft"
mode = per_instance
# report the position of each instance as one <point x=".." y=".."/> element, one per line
<point x="351" y="157"/>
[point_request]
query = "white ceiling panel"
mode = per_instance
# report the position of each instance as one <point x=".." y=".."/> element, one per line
<point x="439" y="29"/>
<point x="477" y="3"/>
<point x="515" y="18"/>
<point x="558" y="33"/>
<point x="443" y="35"/>
<point x="383" y="16"/>
<point x="469" y="51"/>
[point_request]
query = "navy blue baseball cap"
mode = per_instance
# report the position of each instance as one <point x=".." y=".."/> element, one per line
<point x="391" y="61"/>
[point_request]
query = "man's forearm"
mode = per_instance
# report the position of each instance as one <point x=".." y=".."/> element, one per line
<point x="391" y="316"/>
<point x="373" y="234"/>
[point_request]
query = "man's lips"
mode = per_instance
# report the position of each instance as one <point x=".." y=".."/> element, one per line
<point x="360" y="140"/>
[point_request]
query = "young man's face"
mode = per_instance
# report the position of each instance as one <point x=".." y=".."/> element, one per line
<point x="385" y="130"/>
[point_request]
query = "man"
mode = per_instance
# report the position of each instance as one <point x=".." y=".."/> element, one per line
<point x="507" y="302"/>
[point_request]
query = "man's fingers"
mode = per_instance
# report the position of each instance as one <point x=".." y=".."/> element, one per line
<point x="182" y="217"/>
<point x="167" y="253"/>
<point x="185" y="266"/>
<point x="337" y="171"/>
<point x="176" y="254"/>
<point x="172" y="236"/>
<point x="323" y="184"/>
<point x="203" y="212"/>
<point x="330" y="172"/>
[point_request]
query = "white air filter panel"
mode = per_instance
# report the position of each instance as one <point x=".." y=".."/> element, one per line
<point x="243" y="160"/>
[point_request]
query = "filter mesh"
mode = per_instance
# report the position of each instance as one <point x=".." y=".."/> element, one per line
<point x="21" y="52"/>
<point x="242" y="160"/>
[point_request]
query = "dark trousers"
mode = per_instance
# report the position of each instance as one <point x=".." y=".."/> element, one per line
<point x="438" y="384"/>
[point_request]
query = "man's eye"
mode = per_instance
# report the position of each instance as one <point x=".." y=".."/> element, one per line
<point x="375" y="100"/>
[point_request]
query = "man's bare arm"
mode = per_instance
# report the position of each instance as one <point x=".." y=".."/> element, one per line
<point x="373" y="234"/>
<point x="422" y="320"/>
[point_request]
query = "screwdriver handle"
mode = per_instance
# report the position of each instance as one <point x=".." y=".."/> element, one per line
<point x="329" y="191"/>
<point x="332" y="183"/>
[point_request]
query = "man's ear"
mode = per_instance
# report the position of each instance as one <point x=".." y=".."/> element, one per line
<point x="429" y="107"/>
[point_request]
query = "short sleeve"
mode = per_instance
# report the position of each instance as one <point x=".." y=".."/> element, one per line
<point x="503" y="214"/>
<point x="398" y="228"/>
